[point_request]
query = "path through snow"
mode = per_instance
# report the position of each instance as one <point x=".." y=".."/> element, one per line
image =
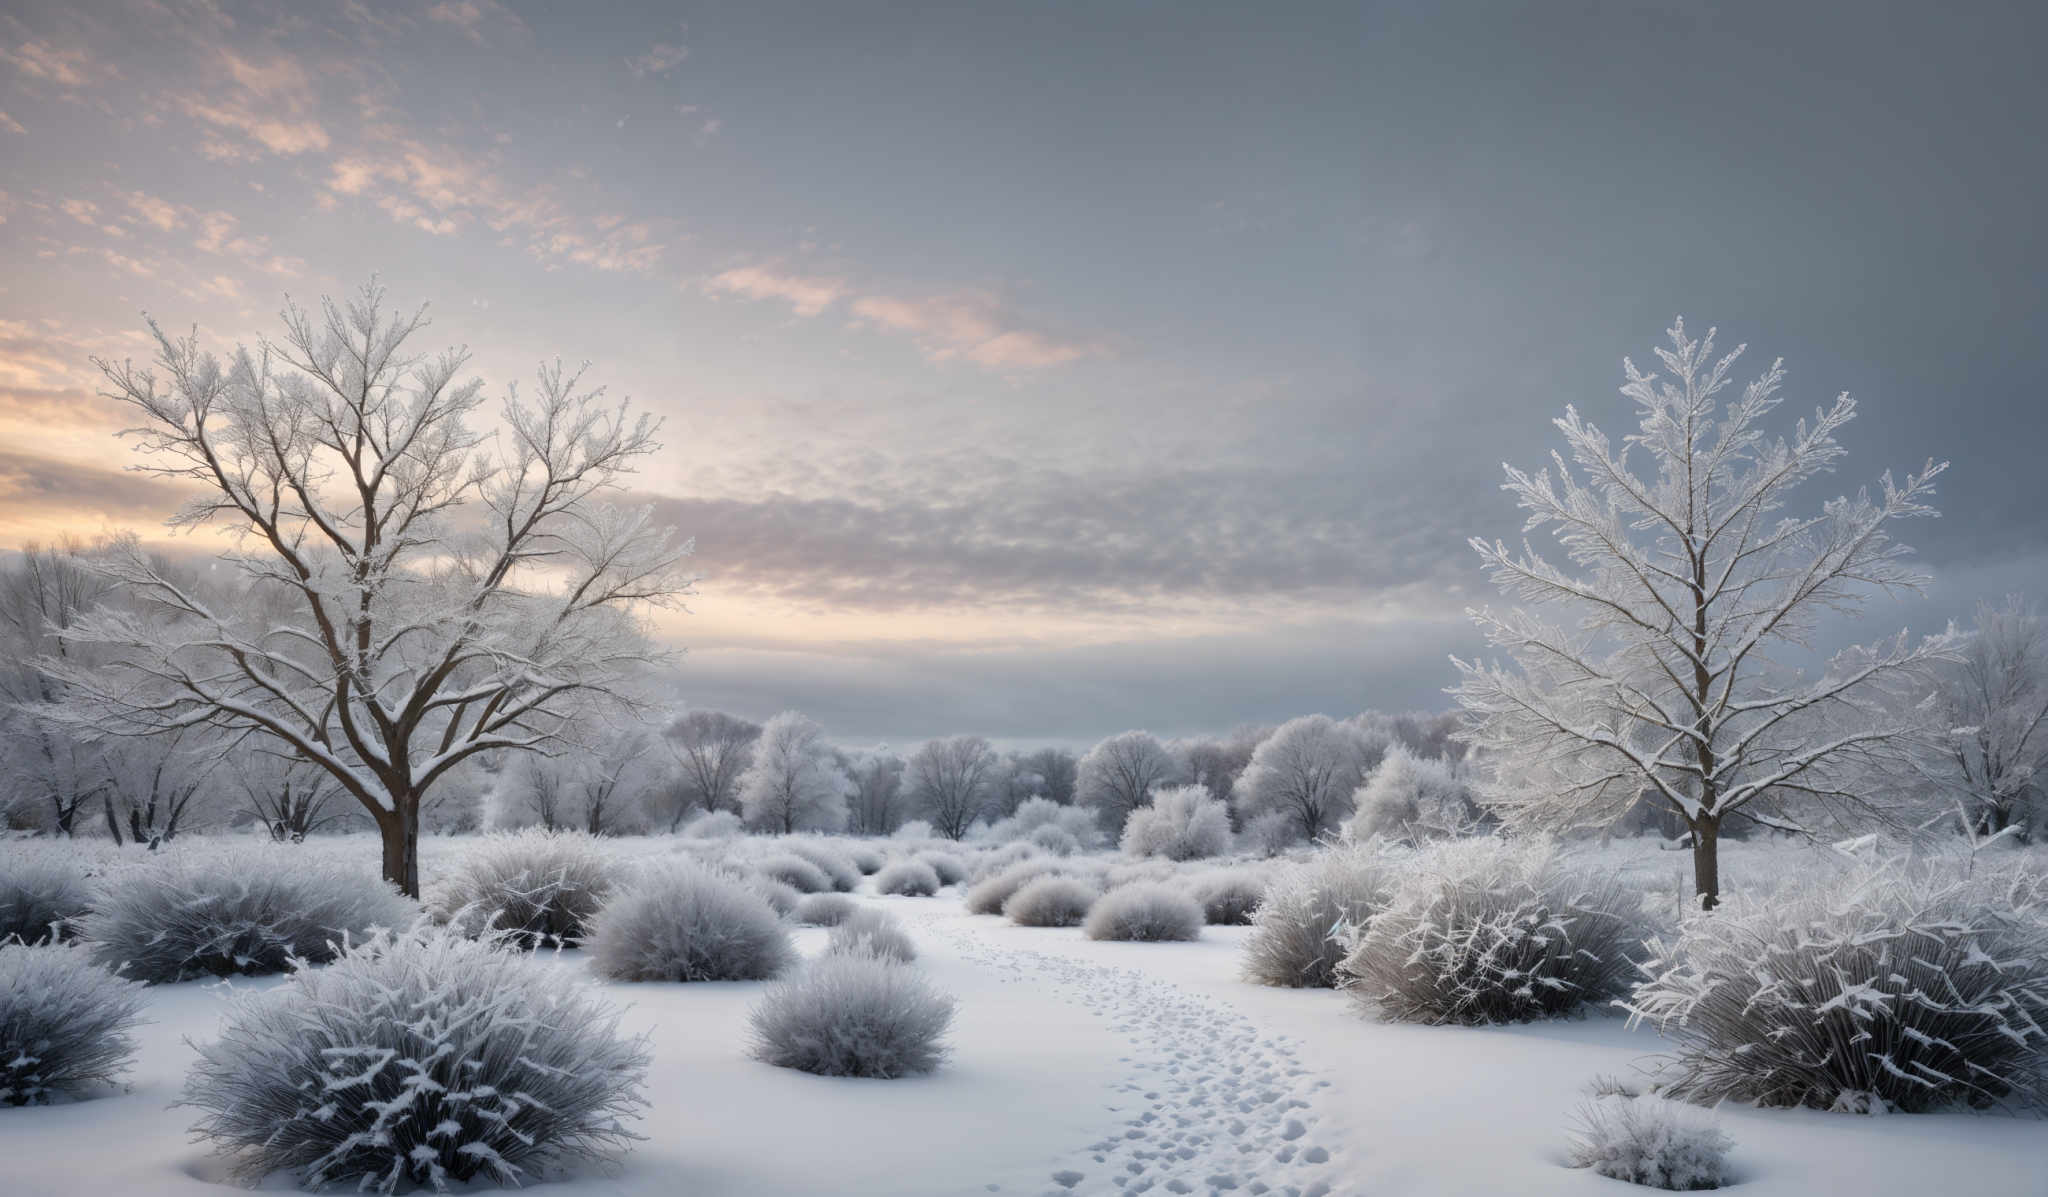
<point x="1213" y="1104"/>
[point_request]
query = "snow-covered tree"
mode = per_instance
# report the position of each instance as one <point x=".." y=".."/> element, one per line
<point x="877" y="775"/>
<point x="1055" y="769"/>
<point x="1117" y="776"/>
<point x="949" y="781"/>
<point x="1216" y="762"/>
<point x="49" y="774"/>
<point x="160" y="785"/>
<point x="1988" y="720"/>
<point x="1689" y="576"/>
<point x="411" y="594"/>
<point x="711" y="749"/>
<point x="1307" y="769"/>
<point x="288" y="797"/>
<point x="794" y="782"/>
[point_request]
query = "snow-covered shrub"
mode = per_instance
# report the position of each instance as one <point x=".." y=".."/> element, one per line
<point x="1270" y="834"/>
<point x="1035" y="814"/>
<point x="1050" y="902"/>
<point x="1490" y="931"/>
<point x="1127" y="872"/>
<point x="1650" y="1141"/>
<point x="823" y="910"/>
<point x="541" y="888"/>
<point x="715" y="825"/>
<point x="1143" y="912"/>
<point x="1413" y="800"/>
<point x="183" y="914"/>
<point x="853" y="1014"/>
<point x="946" y="865"/>
<point x="1307" y="913"/>
<point x="688" y="922"/>
<point x="868" y="860"/>
<point x="1054" y="841"/>
<point x="781" y="897"/>
<point x="1002" y="858"/>
<point x="915" y="829"/>
<point x="844" y="876"/>
<point x="988" y="896"/>
<point x="420" y="1059"/>
<point x="42" y="895"/>
<point x="1229" y="897"/>
<point x="909" y="878"/>
<point x="874" y="933"/>
<point x="1182" y="823"/>
<point x="64" y="1021"/>
<point x="1898" y="985"/>
<point x="795" y="872"/>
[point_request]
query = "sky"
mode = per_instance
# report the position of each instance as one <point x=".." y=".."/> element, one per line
<point x="1048" y="370"/>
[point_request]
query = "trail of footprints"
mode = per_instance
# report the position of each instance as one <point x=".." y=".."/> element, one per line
<point x="1213" y="1106"/>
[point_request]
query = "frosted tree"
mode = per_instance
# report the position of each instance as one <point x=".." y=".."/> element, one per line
<point x="160" y="785"/>
<point x="48" y="772"/>
<point x="1307" y="770"/>
<point x="290" y="798"/>
<point x="949" y="781"/>
<point x="1055" y="769"/>
<point x="877" y="776"/>
<point x="711" y="750"/>
<point x="1684" y="577"/>
<point x="794" y="782"/>
<point x="1988" y="719"/>
<point x="1117" y="776"/>
<point x="413" y="592"/>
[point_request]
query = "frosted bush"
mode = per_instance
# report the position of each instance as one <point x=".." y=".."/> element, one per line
<point x="1035" y="814"/>
<point x="423" y="1059"/>
<point x="1002" y="858"/>
<point x="915" y="829"/>
<point x="1414" y="800"/>
<point x="1054" y="841"/>
<point x="1650" y="1141"/>
<point x="1309" y="911"/>
<point x="988" y="896"/>
<point x="1129" y="871"/>
<point x="181" y="914"/>
<point x="844" y="877"/>
<point x="795" y="872"/>
<point x="715" y="825"/>
<point x="823" y="910"/>
<point x="1182" y="823"/>
<point x="868" y="860"/>
<point x="64" y="1021"/>
<point x="1144" y="912"/>
<point x="908" y="878"/>
<point x="688" y="922"/>
<point x="873" y="933"/>
<point x="1491" y="931"/>
<point x="1898" y="986"/>
<point x="1050" y="902"/>
<point x="853" y="1015"/>
<point x="1229" y="897"/>
<point x="42" y="895"/>
<point x="783" y="899"/>
<point x="949" y="868"/>
<point x="538" y="888"/>
<point x="1270" y="834"/>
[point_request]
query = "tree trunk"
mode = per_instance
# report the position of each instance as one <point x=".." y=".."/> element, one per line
<point x="1706" y="861"/>
<point x="400" y="830"/>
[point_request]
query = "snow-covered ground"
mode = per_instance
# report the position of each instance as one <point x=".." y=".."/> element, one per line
<point x="1085" y="1067"/>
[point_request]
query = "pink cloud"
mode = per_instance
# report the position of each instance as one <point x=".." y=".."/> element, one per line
<point x="807" y="295"/>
